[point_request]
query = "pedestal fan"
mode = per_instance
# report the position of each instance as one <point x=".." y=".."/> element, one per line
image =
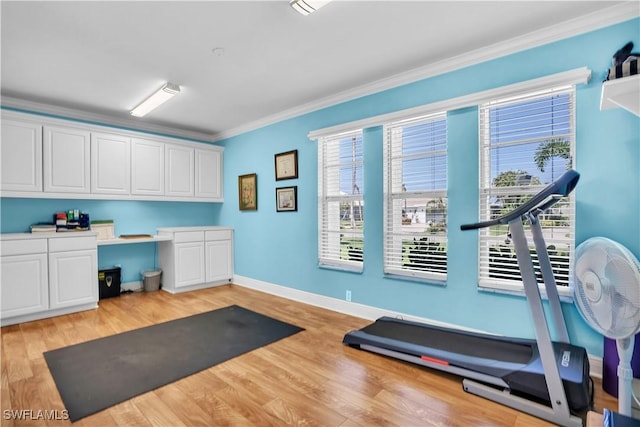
<point x="607" y="294"/>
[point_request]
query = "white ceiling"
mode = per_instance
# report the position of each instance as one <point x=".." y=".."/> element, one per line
<point x="103" y="58"/>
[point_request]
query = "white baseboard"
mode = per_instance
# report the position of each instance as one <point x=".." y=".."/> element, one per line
<point x="595" y="366"/>
<point x="132" y="286"/>
<point x="363" y="311"/>
<point x="48" y="313"/>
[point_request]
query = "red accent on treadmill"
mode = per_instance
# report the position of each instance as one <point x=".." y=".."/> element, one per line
<point x="438" y="361"/>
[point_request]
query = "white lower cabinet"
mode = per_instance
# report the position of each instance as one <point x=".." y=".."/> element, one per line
<point x="73" y="272"/>
<point x="195" y="257"/>
<point x="189" y="264"/>
<point x="219" y="256"/>
<point x="24" y="277"/>
<point x="45" y="277"/>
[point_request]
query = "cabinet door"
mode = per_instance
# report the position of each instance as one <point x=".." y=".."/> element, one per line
<point x="25" y="285"/>
<point x="66" y="155"/>
<point x="179" y="170"/>
<point x="208" y="177"/>
<point x="147" y="167"/>
<point x="73" y="278"/>
<point x="219" y="260"/>
<point x="21" y="152"/>
<point x="189" y="263"/>
<point x="110" y="164"/>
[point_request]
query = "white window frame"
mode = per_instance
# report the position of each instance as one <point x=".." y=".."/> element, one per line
<point x="489" y="192"/>
<point x="330" y="198"/>
<point x="427" y="263"/>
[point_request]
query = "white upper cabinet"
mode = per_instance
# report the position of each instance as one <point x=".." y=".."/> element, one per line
<point x="110" y="164"/>
<point x="66" y="160"/>
<point x="147" y="167"/>
<point x="21" y="152"/>
<point x="45" y="157"/>
<point x="179" y="170"/>
<point x="208" y="174"/>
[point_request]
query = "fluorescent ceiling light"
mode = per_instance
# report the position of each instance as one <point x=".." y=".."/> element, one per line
<point x="306" y="7"/>
<point x="163" y="94"/>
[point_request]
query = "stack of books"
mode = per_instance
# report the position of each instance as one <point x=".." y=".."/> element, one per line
<point x="43" y="228"/>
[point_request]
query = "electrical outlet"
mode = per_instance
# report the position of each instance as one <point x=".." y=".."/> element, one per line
<point x="348" y="295"/>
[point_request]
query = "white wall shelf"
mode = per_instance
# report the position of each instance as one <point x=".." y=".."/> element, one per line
<point x="623" y="92"/>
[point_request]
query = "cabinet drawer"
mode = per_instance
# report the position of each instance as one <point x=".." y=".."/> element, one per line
<point x="189" y="236"/>
<point x="218" y="235"/>
<point x="72" y="243"/>
<point x="23" y="247"/>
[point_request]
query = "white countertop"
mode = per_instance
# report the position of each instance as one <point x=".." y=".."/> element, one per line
<point x="46" y="235"/>
<point x="197" y="228"/>
<point x="116" y="241"/>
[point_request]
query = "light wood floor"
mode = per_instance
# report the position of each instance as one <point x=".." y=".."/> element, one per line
<point x="307" y="379"/>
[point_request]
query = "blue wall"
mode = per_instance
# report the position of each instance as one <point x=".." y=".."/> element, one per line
<point x="281" y="248"/>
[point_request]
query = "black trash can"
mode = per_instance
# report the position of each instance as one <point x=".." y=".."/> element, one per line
<point x="109" y="282"/>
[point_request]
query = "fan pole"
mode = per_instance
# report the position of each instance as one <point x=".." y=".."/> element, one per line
<point x="625" y="374"/>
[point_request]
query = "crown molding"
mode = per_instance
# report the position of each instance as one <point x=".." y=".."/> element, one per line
<point x="573" y="27"/>
<point x="50" y="110"/>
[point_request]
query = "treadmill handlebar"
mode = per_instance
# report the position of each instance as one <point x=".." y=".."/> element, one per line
<point x="546" y="198"/>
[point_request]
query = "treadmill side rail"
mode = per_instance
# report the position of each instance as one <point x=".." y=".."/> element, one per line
<point x="524" y="405"/>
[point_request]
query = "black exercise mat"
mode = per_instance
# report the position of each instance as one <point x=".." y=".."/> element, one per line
<point x="97" y="374"/>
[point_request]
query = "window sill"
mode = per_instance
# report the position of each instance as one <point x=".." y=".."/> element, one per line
<point x="416" y="278"/>
<point x="342" y="267"/>
<point x="518" y="290"/>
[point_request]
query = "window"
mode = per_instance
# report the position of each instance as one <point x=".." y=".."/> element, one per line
<point x="415" y="197"/>
<point x="526" y="142"/>
<point x="340" y="204"/>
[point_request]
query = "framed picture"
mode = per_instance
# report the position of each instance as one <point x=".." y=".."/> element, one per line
<point x="286" y="165"/>
<point x="248" y="192"/>
<point x="287" y="199"/>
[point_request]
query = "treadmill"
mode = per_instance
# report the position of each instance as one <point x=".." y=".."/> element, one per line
<point x="549" y="380"/>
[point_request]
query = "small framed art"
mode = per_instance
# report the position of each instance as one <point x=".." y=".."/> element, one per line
<point x="287" y="199"/>
<point x="248" y="192"/>
<point x="286" y="165"/>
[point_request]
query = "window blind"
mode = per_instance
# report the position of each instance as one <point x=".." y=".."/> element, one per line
<point x="340" y="204"/>
<point x="415" y="197"/>
<point x="526" y="142"/>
